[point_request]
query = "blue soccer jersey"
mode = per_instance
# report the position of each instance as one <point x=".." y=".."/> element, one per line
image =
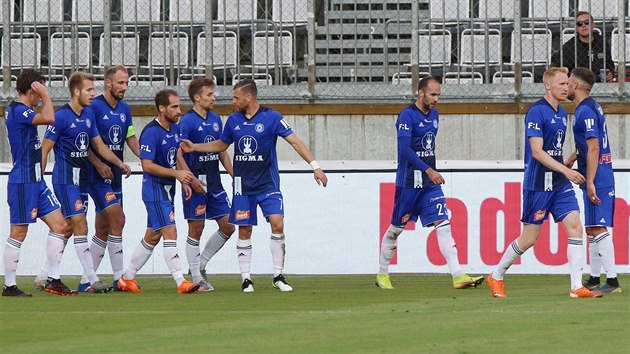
<point x="72" y="134"/>
<point x="543" y="121"/>
<point x="113" y="125"/>
<point x="160" y="146"/>
<point x="422" y="129"/>
<point x="255" y="158"/>
<point x="24" y="143"/>
<point x="200" y="129"/>
<point x="590" y="123"/>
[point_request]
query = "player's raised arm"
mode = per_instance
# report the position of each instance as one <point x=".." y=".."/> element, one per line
<point x="47" y="115"/>
<point x="544" y="158"/>
<point x="305" y="153"/>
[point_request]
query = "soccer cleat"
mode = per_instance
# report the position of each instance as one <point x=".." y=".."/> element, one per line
<point x="115" y="286"/>
<point x="496" y="287"/>
<point x="205" y="286"/>
<point x="591" y="283"/>
<point x="280" y="283"/>
<point x="83" y="287"/>
<point x="99" y="288"/>
<point x="57" y="287"/>
<point x="129" y="285"/>
<point x="465" y="281"/>
<point x="383" y="282"/>
<point x="608" y="289"/>
<point x="584" y="292"/>
<point x="248" y="286"/>
<point x="39" y="284"/>
<point x="187" y="287"/>
<point x="13" y="290"/>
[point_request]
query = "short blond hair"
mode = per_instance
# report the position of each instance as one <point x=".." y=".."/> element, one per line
<point x="551" y="72"/>
<point x="76" y="80"/>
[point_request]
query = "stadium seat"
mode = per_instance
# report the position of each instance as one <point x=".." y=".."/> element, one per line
<point x="261" y="79"/>
<point x="237" y="11"/>
<point x="600" y="9"/>
<point x="289" y="12"/>
<point x="435" y="47"/>
<point x="502" y="77"/>
<point x="88" y="11"/>
<point x="12" y="83"/>
<point x="265" y="52"/>
<point x="535" y="46"/>
<point x="164" y="44"/>
<point x="188" y="11"/>
<point x="549" y="10"/>
<point x="140" y="11"/>
<point x="404" y="78"/>
<point x="42" y="11"/>
<point x="125" y="48"/>
<point x="224" y="49"/>
<point x="26" y="50"/>
<point x="62" y="54"/>
<point x="473" y="48"/>
<point x="57" y="80"/>
<point x="568" y="33"/>
<point x="449" y="10"/>
<point x="156" y="81"/>
<point x="496" y="10"/>
<point x="184" y="79"/>
<point x="614" y="46"/>
<point x="464" y="78"/>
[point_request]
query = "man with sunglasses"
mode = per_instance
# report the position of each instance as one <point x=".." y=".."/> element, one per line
<point x="586" y="49"/>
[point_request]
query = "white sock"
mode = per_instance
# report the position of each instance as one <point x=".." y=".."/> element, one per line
<point x="192" y="254"/>
<point x="116" y="255"/>
<point x="11" y="259"/>
<point x="448" y="248"/>
<point x="606" y="248"/>
<point x="139" y="258"/>
<point x="85" y="257"/>
<point x="172" y="260"/>
<point x="277" y="253"/>
<point x="55" y="245"/>
<point x="510" y="255"/>
<point x="244" y="251"/>
<point x="97" y="249"/>
<point x="595" y="258"/>
<point x="576" y="260"/>
<point x="388" y="246"/>
<point x="214" y="244"/>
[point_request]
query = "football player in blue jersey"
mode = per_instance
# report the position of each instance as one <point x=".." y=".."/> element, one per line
<point x="595" y="162"/>
<point x="209" y="200"/>
<point x="71" y="136"/>
<point x="115" y="126"/>
<point x="547" y="186"/>
<point x="418" y="185"/>
<point x="159" y="143"/>
<point x="254" y="130"/>
<point x="27" y="194"/>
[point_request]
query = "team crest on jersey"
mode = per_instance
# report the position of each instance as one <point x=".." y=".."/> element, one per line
<point x="405" y="218"/>
<point x="200" y="210"/>
<point x="123" y="117"/>
<point x="247" y="145"/>
<point x="259" y="128"/>
<point x="170" y="156"/>
<point x="428" y="141"/>
<point x="539" y="215"/>
<point x="115" y="134"/>
<point x="558" y="139"/>
<point x="171" y="216"/>
<point x="34" y="214"/>
<point x="435" y="123"/>
<point x="564" y="121"/>
<point x="215" y="126"/>
<point x="88" y="123"/>
<point x="242" y="215"/>
<point x="78" y="205"/>
<point x="81" y="141"/>
<point x="109" y="197"/>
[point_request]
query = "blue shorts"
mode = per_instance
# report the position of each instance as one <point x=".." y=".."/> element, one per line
<point x="160" y="214"/>
<point x="537" y="205"/>
<point x="73" y="199"/>
<point x="29" y="201"/>
<point x="243" y="210"/>
<point x="428" y="203"/>
<point x="602" y="214"/>
<point x="212" y="205"/>
<point x="104" y="195"/>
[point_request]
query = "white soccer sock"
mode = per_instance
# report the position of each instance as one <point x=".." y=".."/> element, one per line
<point x="139" y="258"/>
<point x="172" y="260"/>
<point x="509" y="257"/>
<point x="277" y="253"/>
<point x="85" y="257"/>
<point x="97" y="249"/>
<point x="448" y="248"/>
<point x="116" y="255"/>
<point x="595" y="257"/>
<point x="606" y="248"/>
<point x="388" y="246"/>
<point x="55" y="245"/>
<point x="214" y="244"/>
<point x="11" y="259"/>
<point x="192" y="254"/>
<point x="244" y="252"/>
<point x="576" y="260"/>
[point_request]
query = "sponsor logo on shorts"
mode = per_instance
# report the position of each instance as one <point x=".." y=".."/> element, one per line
<point x="78" y="205"/>
<point x="605" y="158"/>
<point x="200" y="210"/>
<point x="405" y="218"/>
<point x="171" y="216"/>
<point x="242" y="214"/>
<point x="110" y="196"/>
<point x="540" y="214"/>
<point x="34" y="214"/>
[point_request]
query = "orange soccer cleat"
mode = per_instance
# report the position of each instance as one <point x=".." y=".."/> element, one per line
<point x="584" y="292"/>
<point x="496" y="287"/>
<point x="129" y="285"/>
<point x="187" y="287"/>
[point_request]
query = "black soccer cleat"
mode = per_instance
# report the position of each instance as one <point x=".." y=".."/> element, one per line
<point x="248" y="286"/>
<point x="13" y="290"/>
<point x="57" y="287"/>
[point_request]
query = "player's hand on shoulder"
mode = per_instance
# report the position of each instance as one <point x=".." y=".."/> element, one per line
<point x="574" y="176"/>
<point x="187" y="145"/>
<point x="185" y="177"/>
<point x="435" y="176"/>
<point x="320" y="177"/>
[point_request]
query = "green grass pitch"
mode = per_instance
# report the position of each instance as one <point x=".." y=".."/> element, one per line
<point x="324" y="314"/>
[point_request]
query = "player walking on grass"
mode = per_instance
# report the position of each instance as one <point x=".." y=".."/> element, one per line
<point x="159" y="142"/>
<point x="547" y="185"/>
<point x="254" y="129"/>
<point x="418" y="190"/>
<point x="71" y="136"/>
<point x="209" y="200"/>
<point x="27" y="194"/>
<point x="594" y="162"/>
